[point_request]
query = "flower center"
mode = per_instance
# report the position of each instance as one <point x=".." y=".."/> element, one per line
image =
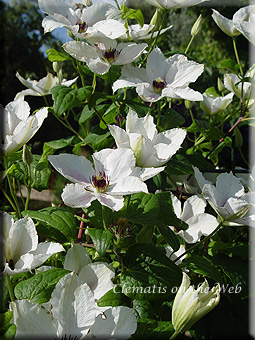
<point x="100" y="182"/>
<point x="110" y="55"/>
<point x="159" y="84"/>
<point x="11" y="264"/>
<point x="82" y="26"/>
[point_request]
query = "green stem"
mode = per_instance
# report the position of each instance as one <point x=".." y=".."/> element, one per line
<point x="103" y="217"/>
<point x="28" y="187"/>
<point x="94" y="84"/>
<point x="199" y="243"/>
<point x="237" y="56"/>
<point x="10" y="289"/>
<point x="21" y="196"/>
<point x="173" y="336"/>
<point x="17" y="210"/>
<point x="189" y="44"/>
<point x="9" y="200"/>
<point x="68" y="126"/>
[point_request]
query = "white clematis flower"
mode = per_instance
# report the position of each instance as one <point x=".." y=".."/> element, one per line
<point x="192" y="304"/>
<point x="162" y="77"/>
<point x="233" y="83"/>
<point x="72" y="312"/>
<point x="104" y="52"/>
<point x="18" y="126"/>
<point x="151" y="149"/>
<point x="108" y="182"/>
<point x="41" y="87"/>
<point x="21" y="249"/>
<point x="247" y="28"/>
<point x="215" y="104"/>
<point x="199" y="222"/>
<point x="231" y="27"/>
<point x="72" y="315"/>
<point x="167" y="4"/>
<point x="228" y="198"/>
<point x="136" y="32"/>
<point x="83" y="22"/>
<point x="97" y="275"/>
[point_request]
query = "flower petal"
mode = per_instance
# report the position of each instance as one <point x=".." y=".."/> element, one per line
<point x="98" y="277"/>
<point x="127" y="186"/>
<point x="73" y="306"/>
<point x="76" y="196"/>
<point x="32" y="319"/>
<point x="117" y="322"/>
<point x="77" y="169"/>
<point x="76" y="258"/>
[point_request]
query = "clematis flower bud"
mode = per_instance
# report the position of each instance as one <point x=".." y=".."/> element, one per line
<point x="220" y="85"/>
<point x="190" y="304"/>
<point x="27" y="156"/>
<point x="197" y="26"/>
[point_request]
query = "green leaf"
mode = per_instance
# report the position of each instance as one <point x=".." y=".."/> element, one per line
<point x="55" y="223"/>
<point x="93" y="138"/>
<point x="235" y="269"/>
<point x="54" y="55"/>
<point x="129" y="13"/>
<point x="5" y="319"/>
<point x="59" y="143"/>
<point x="66" y="98"/>
<point x="140" y="108"/>
<point x="108" y="117"/>
<point x="150" y="329"/>
<point x="101" y="239"/>
<point x="202" y="265"/>
<point x="113" y="298"/>
<point x="212" y="92"/>
<point x="238" y="137"/>
<point x="149" y="274"/>
<point x="85" y="114"/>
<point x="38" y="288"/>
<point x="171" y="119"/>
<point x="8" y="333"/>
<point x="229" y="64"/>
<point x="142" y="308"/>
<point x="21" y="173"/>
<point x="179" y="165"/>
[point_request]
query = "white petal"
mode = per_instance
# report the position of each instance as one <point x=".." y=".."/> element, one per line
<point x="176" y="205"/>
<point x="200" y="178"/>
<point x="113" y="202"/>
<point x="226" y="25"/>
<point x="98" y="66"/>
<point x="119" y="164"/>
<point x="127" y="186"/>
<point x="98" y="277"/>
<point x="182" y="71"/>
<point x="228" y="186"/>
<point x="110" y="28"/>
<point x="80" y="50"/>
<point x="76" y="196"/>
<point x="114" y="323"/>
<point x="73" y="306"/>
<point x="184" y="93"/>
<point x="192" y="206"/>
<point x="43" y="251"/>
<point x="77" y="169"/>
<point x="200" y="224"/>
<point x="156" y="65"/>
<point x="76" y="258"/>
<point x="146" y="173"/>
<point x="129" y="52"/>
<point x="22" y="237"/>
<point x="31" y="319"/>
<point x="120" y="136"/>
<point x="54" y="21"/>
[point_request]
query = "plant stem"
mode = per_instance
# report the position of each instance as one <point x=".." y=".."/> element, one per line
<point x="103" y="217"/>
<point x="189" y="44"/>
<point x="237" y="56"/>
<point x="17" y="210"/>
<point x="9" y="200"/>
<point x="173" y="336"/>
<point x="199" y="243"/>
<point x="10" y="289"/>
<point x="79" y="239"/>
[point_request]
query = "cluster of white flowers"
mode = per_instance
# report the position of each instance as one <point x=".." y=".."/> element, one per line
<point x="141" y="153"/>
